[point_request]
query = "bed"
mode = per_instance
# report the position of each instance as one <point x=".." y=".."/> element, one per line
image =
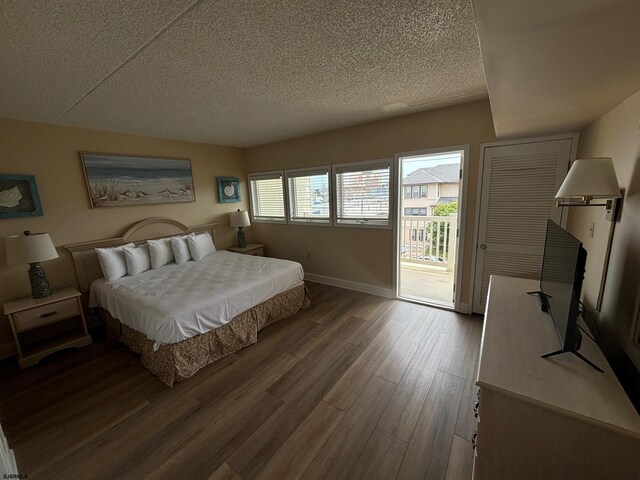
<point x="181" y="318"/>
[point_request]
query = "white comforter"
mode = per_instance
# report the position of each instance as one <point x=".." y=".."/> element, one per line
<point x="175" y="302"/>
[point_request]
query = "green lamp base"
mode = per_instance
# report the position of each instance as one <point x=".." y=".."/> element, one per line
<point x="242" y="240"/>
<point x="39" y="284"/>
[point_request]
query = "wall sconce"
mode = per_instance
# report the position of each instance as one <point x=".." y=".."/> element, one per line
<point x="587" y="179"/>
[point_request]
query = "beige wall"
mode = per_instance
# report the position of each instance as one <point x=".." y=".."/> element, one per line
<point x="51" y="154"/>
<point x="361" y="254"/>
<point x="616" y="134"/>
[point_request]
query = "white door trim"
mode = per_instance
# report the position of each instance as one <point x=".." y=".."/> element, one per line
<point x="458" y="306"/>
<point x="574" y="137"/>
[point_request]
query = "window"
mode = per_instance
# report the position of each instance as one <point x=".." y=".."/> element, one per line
<point x="413" y="234"/>
<point x="416" y="212"/>
<point x="267" y="197"/>
<point x="407" y="192"/>
<point x="420" y="233"/>
<point x="362" y="193"/>
<point x="423" y="191"/>
<point x="415" y="191"/>
<point x="308" y="192"/>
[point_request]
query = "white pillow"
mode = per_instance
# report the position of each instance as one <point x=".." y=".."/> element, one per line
<point x="138" y="259"/>
<point x="161" y="252"/>
<point x="112" y="261"/>
<point x="200" y="246"/>
<point x="181" y="248"/>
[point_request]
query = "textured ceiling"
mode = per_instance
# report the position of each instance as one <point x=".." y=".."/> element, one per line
<point x="554" y="66"/>
<point x="234" y="72"/>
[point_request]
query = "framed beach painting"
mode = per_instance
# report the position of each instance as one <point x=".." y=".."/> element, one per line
<point x="120" y="180"/>
<point x="19" y="196"/>
<point x="228" y="189"/>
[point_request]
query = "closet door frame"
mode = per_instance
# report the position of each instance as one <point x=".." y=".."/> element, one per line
<point x="574" y="137"/>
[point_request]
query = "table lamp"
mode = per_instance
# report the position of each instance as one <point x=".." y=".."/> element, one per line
<point x="32" y="248"/>
<point x="240" y="219"/>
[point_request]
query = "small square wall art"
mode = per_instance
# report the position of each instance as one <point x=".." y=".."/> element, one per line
<point x="19" y="196"/>
<point x="228" y="189"/>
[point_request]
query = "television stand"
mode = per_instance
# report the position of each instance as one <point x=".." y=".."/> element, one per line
<point x="577" y="354"/>
<point x="542" y="298"/>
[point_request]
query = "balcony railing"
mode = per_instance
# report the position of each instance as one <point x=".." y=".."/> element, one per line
<point x="428" y="240"/>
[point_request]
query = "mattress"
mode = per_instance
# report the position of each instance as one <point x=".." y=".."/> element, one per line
<point x="176" y="302"/>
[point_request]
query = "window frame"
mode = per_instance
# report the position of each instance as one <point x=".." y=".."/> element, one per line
<point x="412" y="210"/>
<point x="300" y="172"/>
<point x="364" y="165"/>
<point x="267" y="176"/>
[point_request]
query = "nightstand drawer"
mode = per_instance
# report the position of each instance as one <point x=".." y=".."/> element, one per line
<point x="255" y="249"/>
<point x="45" y="314"/>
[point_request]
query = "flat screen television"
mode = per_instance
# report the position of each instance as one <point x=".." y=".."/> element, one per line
<point x="563" y="268"/>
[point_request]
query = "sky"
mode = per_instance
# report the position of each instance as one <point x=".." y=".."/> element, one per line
<point x="411" y="164"/>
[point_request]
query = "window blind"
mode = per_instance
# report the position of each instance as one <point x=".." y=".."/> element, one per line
<point x="362" y="193"/>
<point x="308" y="192"/>
<point x="267" y="197"/>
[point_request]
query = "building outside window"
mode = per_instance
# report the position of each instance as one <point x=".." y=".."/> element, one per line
<point x="415" y="212"/>
<point x="427" y="187"/>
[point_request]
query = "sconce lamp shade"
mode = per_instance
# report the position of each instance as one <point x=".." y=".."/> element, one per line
<point x="590" y="178"/>
<point x="240" y="219"/>
<point x="29" y="248"/>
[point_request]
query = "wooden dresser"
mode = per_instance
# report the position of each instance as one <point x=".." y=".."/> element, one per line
<point x="555" y="418"/>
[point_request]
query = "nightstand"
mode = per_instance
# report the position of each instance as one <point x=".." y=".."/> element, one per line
<point x="28" y="313"/>
<point x="250" y="249"/>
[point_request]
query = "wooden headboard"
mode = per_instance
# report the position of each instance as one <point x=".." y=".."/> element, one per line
<point x="85" y="258"/>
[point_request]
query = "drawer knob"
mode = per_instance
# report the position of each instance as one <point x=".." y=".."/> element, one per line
<point x="49" y="314"/>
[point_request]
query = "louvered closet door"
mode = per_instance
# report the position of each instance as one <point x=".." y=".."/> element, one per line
<point x="518" y="186"/>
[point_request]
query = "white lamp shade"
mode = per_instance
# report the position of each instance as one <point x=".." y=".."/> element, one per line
<point x="36" y="247"/>
<point x="592" y="177"/>
<point x="240" y="219"/>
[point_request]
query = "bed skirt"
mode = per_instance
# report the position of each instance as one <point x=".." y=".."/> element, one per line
<point x="179" y="361"/>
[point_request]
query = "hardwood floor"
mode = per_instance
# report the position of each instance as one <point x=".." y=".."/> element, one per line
<point x="354" y="387"/>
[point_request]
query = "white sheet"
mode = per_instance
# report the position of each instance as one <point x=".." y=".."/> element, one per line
<point x="176" y="302"/>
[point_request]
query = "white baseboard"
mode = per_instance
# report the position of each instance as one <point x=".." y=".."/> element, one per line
<point x="7" y="350"/>
<point x="350" y="285"/>
<point x="364" y="288"/>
